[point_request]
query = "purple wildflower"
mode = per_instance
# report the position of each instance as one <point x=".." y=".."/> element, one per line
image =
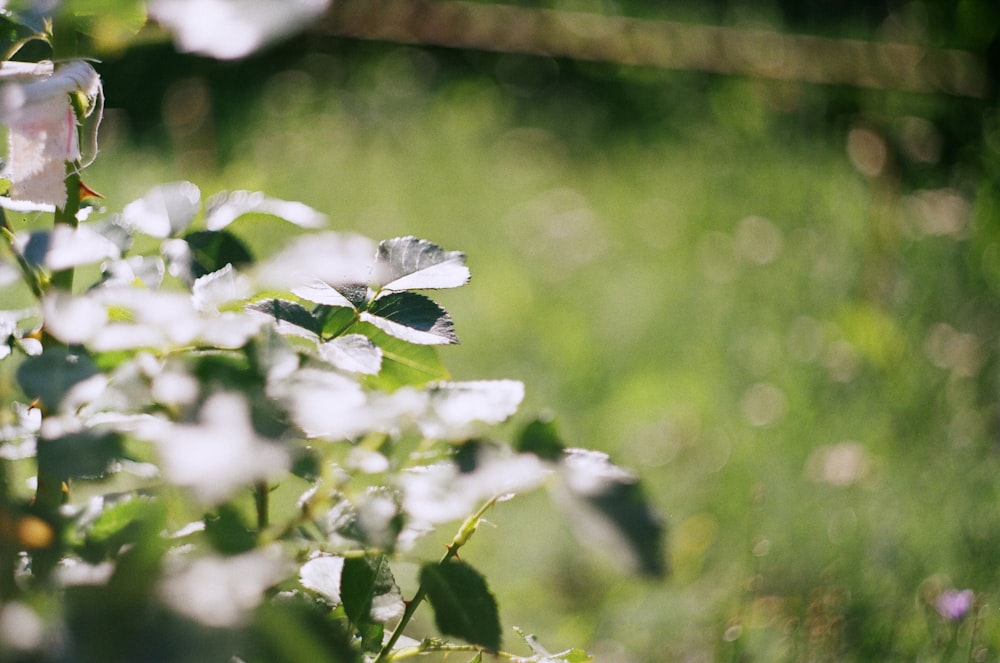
<point x="953" y="604"/>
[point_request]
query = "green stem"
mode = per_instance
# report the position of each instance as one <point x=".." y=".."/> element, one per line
<point x="53" y="487"/>
<point x="28" y="273"/>
<point x="428" y="648"/>
<point x="65" y="43"/>
<point x="261" y="496"/>
<point x="462" y="537"/>
<point x="66" y="215"/>
<point x="8" y="548"/>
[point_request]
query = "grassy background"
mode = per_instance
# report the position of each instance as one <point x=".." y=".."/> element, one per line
<point x="691" y="273"/>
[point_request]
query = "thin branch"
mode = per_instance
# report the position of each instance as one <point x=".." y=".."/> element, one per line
<point x="462" y="537"/>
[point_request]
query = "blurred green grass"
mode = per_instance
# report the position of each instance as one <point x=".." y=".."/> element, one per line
<point x="800" y="368"/>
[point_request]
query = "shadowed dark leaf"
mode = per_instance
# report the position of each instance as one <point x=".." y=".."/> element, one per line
<point x="462" y="602"/>
<point x="288" y="312"/>
<point x="608" y="510"/>
<point x="413" y="318"/>
<point x="211" y="250"/>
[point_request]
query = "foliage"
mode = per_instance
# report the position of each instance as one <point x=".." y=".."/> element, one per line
<point x="232" y="456"/>
<point x="796" y="353"/>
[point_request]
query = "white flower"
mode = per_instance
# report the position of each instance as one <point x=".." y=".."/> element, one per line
<point x="36" y="107"/>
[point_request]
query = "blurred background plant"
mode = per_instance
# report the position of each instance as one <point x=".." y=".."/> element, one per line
<point x="775" y="298"/>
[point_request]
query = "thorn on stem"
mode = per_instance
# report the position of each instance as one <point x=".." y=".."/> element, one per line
<point x="87" y="192"/>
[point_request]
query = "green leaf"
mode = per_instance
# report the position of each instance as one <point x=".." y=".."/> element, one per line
<point x="14" y="28"/>
<point x="293" y="629"/>
<point x="609" y="511"/>
<point x="165" y="211"/>
<point x="336" y="320"/>
<point x="84" y="454"/>
<point x="225" y="207"/>
<point x="413" y="318"/>
<point x="117" y="526"/>
<point x="372" y="634"/>
<point x="408" y="263"/>
<point x="211" y="250"/>
<point x="113" y="23"/>
<point x="403" y="364"/>
<point x="370" y="597"/>
<point x="541" y="438"/>
<point x="462" y="602"/>
<point x="348" y="295"/>
<point x="228" y="532"/>
<point x="369" y="591"/>
<point x="51" y="375"/>
<point x="291" y="313"/>
<point x="229" y="370"/>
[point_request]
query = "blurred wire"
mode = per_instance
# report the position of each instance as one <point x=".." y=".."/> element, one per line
<point x="666" y="44"/>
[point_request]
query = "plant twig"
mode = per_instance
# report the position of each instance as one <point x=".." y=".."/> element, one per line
<point x="462" y="537"/>
<point x="28" y="273"/>
<point x="261" y="496"/>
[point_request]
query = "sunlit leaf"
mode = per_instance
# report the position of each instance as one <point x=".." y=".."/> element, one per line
<point x="408" y="263"/>
<point x="608" y="510"/>
<point x="379" y="518"/>
<point x="319" y="292"/>
<point x="327" y="257"/>
<point x="165" y="211"/>
<point x="447" y="491"/>
<point x="455" y="406"/>
<point x="331" y="405"/>
<point x="413" y="318"/>
<point x="219" y="288"/>
<point x="462" y="602"/>
<point x="64" y="247"/>
<point x="222" y="591"/>
<point x="72" y="318"/>
<point x="224" y="208"/>
<point x="323" y="402"/>
<point x="354" y="353"/>
<point x="322" y="574"/>
<point x="218" y="455"/>
<point x="145" y="270"/>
